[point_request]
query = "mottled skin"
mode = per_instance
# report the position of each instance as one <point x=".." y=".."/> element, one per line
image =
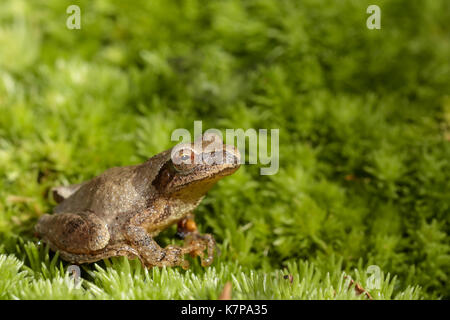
<point x="120" y="211"/>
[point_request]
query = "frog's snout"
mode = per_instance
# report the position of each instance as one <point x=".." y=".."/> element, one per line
<point x="232" y="156"/>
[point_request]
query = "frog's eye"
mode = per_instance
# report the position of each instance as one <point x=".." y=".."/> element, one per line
<point x="183" y="158"/>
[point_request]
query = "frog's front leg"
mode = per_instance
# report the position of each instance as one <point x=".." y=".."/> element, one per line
<point x="151" y="254"/>
<point x="187" y="230"/>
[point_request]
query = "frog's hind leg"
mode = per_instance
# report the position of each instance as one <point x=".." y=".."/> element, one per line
<point x="61" y="193"/>
<point x="119" y="249"/>
<point x="77" y="233"/>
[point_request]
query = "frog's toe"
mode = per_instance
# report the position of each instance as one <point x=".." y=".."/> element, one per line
<point x="206" y="262"/>
<point x="198" y="244"/>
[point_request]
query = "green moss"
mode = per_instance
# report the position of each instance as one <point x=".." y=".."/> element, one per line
<point x="364" y="119"/>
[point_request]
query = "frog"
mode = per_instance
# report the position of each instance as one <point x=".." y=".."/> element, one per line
<point x="122" y="210"/>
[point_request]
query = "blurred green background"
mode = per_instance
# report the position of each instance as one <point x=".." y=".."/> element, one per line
<point x="364" y="119"/>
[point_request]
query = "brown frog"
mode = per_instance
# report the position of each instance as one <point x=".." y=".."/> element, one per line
<point x="119" y="212"/>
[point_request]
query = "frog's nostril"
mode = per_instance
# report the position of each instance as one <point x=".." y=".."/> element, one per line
<point x="232" y="155"/>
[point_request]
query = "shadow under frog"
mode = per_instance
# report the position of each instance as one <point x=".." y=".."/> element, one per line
<point x="119" y="212"/>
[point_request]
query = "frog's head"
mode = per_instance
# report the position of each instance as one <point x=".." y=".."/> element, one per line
<point x="194" y="168"/>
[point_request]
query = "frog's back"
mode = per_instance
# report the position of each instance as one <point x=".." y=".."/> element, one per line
<point x="115" y="191"/>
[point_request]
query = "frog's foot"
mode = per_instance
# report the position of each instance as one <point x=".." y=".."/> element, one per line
<point x="73" y="232"/>
<point x="61" y="193"/>
<point x="151" y="254"/>
<point x="186" y="226"/>
<point x="196" y="242"/>
<point x="174" y="255"/>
